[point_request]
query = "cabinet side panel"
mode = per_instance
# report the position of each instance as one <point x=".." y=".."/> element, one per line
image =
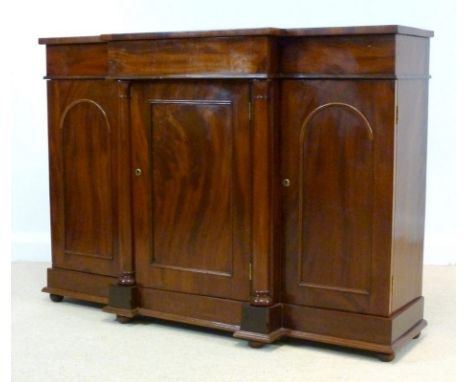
<point x="412" y="56"/>
<point x="410" y="190"/>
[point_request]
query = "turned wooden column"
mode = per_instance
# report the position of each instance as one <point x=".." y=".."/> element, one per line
<point x="126" y="261"/>
<point x="262" y="317"/>
<point x="263" y="100"/>
<point x="123" y="295"/>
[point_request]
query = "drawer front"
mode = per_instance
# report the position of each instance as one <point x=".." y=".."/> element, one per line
<point x="339" y="55"/>
<point x="185" y="57"/>
<point x="88" y="60"/>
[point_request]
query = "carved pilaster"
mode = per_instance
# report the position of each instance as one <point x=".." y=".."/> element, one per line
<point x="126" y="260"/>
<point x="123" y="298"/>
<point x="264" y="179"/>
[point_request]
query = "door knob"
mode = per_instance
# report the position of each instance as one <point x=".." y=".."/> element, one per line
<point x="286" y="182"/>
<point x="138" y="172"/>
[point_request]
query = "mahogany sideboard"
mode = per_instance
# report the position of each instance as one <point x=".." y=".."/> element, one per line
<point x="266" y="182"/>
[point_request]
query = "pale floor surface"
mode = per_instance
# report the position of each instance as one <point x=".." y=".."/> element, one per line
<point x="74" y="341"/>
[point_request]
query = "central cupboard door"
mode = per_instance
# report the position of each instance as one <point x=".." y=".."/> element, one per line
<point x="191" y="193"/>
<point x="337" y="157"/>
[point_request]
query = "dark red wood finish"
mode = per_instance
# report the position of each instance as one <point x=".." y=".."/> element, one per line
<point x="77" y="60"/>
<point x="337" y="150"/>
<point x="153" y="58"/>
<point x="83" y="134"/>
<point x="409" y="192"/>
<point x="192" y="202"/>
<point x="267" y="182"/>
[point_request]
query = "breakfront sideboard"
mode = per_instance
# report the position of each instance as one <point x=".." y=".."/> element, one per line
<point x="266" y="182"/>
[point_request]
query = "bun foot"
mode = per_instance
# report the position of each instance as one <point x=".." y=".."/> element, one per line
<point x="384" y="357"/>
<point x="55" y="297"/>
<point x="417" y="336"/>
<point x="123" y="319"/>
<point x="256" y="344"/>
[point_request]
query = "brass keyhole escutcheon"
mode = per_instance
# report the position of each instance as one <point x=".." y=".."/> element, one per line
<point x="286" y="182"/>
<point x="138" y="172"/>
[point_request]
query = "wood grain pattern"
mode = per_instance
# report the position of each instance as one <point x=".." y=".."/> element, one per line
<point x="202" y="310"/>
<point x="83" y="161"/>
<point x="124" y="179"/>
<point x="87" y="181"/>
<point x="335" y="175"/>
<point x="339" y="55"/>
<point x="353" y="326"/>
<point x="267" y="182"/>
<point x="81" y="285"/>
<point x="191" y="205"/>
<point x="334" y="31"/>
<point x="337" y="146"/>
<point x="192" y="170"/>
<point x="366" y="52"/>
<point x="77" y="60"/>
<point x="264" y="177"/>
<point x="167" y="57"/>
<point x="409" y="192"/>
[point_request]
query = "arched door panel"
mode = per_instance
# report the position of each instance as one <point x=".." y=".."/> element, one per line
<point x="333" y="212"/>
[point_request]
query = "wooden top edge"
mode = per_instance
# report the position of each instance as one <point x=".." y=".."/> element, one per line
<point x="333" y="31"/>
<point x="360" y="30"/>
<point x="70" y="40"/>
<point x="193" y="34"/>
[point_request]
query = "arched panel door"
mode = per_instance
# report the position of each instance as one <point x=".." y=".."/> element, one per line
<point x="84" y="187"/>
<point x="331" y="207"/>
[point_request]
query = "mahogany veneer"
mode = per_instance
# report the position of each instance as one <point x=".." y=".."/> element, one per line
<point x="267" y="182"/>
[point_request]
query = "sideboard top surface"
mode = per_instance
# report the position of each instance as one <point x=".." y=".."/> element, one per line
<point x="333" y="31"/>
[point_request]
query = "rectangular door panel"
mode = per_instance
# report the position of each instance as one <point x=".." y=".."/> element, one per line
<point x="337" y="153"/>
<point x="191" y="141"/>
<point x="191" y="174"/>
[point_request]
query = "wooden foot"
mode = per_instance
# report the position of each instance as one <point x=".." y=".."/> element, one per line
<point x="123" y="319"/>
<point x="385" y="357"/>
<point x="256" y="344"/>
<point x="55" y="297"/>
<point x="417" y="336"/>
